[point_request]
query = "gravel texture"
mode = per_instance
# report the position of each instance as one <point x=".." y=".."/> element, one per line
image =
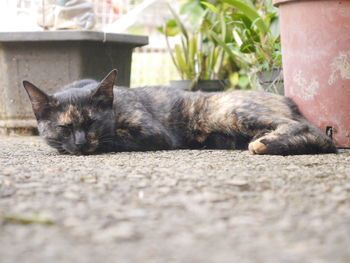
<point x="172" y="206"/>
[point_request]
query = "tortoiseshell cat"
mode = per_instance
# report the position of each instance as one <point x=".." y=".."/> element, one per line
<point x="89" y="117"/>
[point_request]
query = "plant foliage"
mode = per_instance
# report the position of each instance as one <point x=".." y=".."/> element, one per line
<point x="226" y="39"/>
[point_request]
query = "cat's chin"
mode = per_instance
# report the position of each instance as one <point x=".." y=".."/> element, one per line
<point x="73" y="153"/>
<point x="70" y="150"/>
<point x="79" y="154"/>
<point x="74" y="150"/>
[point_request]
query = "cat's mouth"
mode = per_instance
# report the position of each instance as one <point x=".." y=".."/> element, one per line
<point x="89" y="147"/>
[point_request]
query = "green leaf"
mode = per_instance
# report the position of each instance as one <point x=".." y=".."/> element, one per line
<point x="191" y="7"/>
<point x="178" y="22"/>
<point x="194" y="11"/>
<point x="223" y="28"/>
<point x="251" y="35"/>
<point x="36" y="218"/>
<point x="247" y="47"/>
<point x="237" y="38"/>
<point x="192" y="50"/>
<point x="229" y="51"/>
<point x="243" y="82"/>
<point x="250" y="12"/>
<point x="170" y="29"/>
<point x="234" y="78"/>
<point x="180" y="59"/>
<point x="243" y="19"/>
<point x="210" y="6"/>
<point x="275" y="28"/>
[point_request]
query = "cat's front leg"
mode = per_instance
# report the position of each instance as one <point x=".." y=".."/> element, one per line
<point x="155" y="139"/>
<point x="148" y="136"/>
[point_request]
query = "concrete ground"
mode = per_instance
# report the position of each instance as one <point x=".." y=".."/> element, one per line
<point x="172" y="206"/>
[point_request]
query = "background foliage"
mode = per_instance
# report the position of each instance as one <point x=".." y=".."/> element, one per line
<point x="225" y="39"/>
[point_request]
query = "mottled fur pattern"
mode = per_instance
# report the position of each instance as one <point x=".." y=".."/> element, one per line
<point x="88" y="117"/>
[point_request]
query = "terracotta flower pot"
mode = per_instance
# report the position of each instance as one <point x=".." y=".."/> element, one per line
<point x="316" y="62"/>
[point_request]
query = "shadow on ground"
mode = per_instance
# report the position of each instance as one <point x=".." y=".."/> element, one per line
<point x="172" y="206"/>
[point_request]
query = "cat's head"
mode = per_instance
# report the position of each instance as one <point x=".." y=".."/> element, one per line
<point x="76" y="120"/>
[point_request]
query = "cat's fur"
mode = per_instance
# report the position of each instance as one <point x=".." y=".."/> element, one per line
<point x="88" y="117"/>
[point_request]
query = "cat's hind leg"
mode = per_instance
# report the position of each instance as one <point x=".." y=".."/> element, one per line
<point x="293" y="138"/>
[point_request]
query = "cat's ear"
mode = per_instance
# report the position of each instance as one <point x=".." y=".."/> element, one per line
<point x="38" y="98"/>
<point x="104" y="90"/>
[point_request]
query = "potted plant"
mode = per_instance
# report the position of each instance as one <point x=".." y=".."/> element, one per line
<point x="256" y="41"/>
<point x="316" y="58"/>
<point x="199" y="60"/>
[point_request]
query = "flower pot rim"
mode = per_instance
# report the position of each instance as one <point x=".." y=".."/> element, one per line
<point x="280" y="2"/>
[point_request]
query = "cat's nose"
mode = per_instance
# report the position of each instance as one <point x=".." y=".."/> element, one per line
<point x="79" y="138"/>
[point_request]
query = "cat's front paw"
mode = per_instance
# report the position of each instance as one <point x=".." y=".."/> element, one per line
<point x="257" y="147"/>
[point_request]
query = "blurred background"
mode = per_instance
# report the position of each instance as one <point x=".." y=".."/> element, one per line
<point x="151" y="64"/>
<point x="240" y="50"/>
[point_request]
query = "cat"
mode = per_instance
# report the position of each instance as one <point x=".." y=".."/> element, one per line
<point x="88" y="117"/>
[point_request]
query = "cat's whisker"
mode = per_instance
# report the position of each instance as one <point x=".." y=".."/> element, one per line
<point x="55" y="144"/>
<point x="52" y="140"/>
